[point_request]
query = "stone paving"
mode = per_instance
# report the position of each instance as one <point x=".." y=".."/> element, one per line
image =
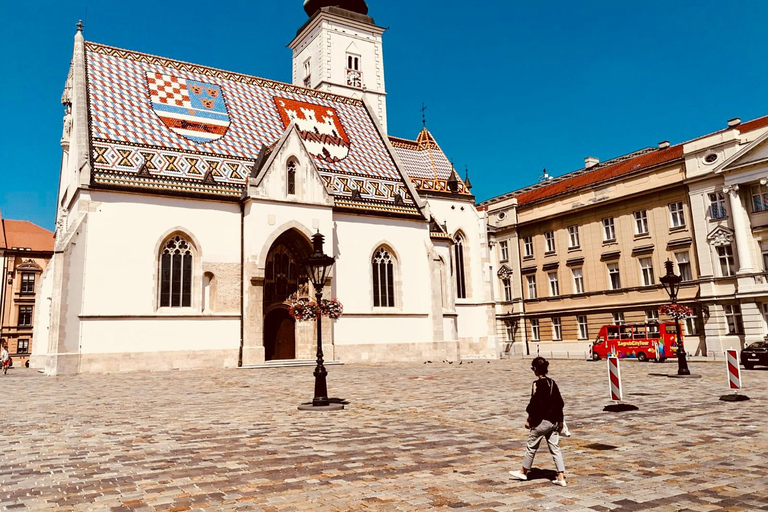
<point x="414" y="437"/>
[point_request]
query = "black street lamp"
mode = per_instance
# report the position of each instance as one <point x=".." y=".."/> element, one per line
<point x="671" y="283"/>
<point x="318" y="264"/>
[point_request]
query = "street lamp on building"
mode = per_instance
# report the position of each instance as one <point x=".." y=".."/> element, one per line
<point x="671" y="283"/>
<point x="318" y="265"/>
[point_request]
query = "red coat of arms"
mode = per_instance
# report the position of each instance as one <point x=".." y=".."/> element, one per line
<point x="319" y="127"/>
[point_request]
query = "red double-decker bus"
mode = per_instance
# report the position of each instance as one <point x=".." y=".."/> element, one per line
<point x="641" y="341"/>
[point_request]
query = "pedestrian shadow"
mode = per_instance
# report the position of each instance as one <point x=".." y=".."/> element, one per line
<point x="541" y="474"/>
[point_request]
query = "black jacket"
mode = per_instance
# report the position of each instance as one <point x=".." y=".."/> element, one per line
<point x="546" y="403"/>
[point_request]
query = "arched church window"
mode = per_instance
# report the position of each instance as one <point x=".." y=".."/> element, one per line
<point x="176" y="261"/>
<point x="383" y="279"/>
<point x="458" y="261"/>
<point x="291" y="178"/>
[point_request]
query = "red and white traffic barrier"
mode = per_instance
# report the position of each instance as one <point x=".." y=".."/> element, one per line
<point x="734" y="376"/>
<point x="734" y="370"/>
<point x="614" y="378"/>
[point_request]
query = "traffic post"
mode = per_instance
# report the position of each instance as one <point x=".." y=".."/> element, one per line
<point x="614" y="387"/>
<point x="734" y="376"/>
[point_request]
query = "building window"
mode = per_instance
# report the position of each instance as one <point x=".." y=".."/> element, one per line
<point x="504" y="248"/>
<point x="684" y="266"/>
<point x="353" y="62"/>
<point x="531" y="286"/>
<point x="578" y="280"/>
<point x="609" y="230"/>
<point x="557" y="328"/>
<point x="25" y="316"/>
<point x="618" y="318"/>
<point x="554" y="287"/>
<point x="549" y="237"/>
<point x="291" y="178"/>
<point x="614" y="279"/>
<point x="27" y="283"/>
<point x="458" y="258"/>
<point x="759" y="198"/>
<point x="652" y="319"/>
<point x="641" y="222"/>
<point x="691" y="328"/>
<point x="22" y="347"/>
<point x="383" y="266"/>
<point x="646" y="271"/>
<point x="764" y="250"/>
<point x="307" y="73"/>
<point x="510" y="328"/>
<point x="573" y="237"/>
<point x="676" y="215"/>
<point x="733" y="319"/>
<point x="528" y="246"/>
<point x="507" y="289"/>
<point x="583" y="328"/>
<point x="535" y="330"/>
<point x="717" y="206"/>
<point x="176" y="273"/>
<point x="725" y="254"/>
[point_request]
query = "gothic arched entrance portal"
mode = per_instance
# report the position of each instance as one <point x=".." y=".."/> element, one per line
<point x="284" y="278"/>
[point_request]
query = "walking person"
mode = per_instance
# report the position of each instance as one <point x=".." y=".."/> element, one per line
<point x="545" y="419"/>
<point x="5" y="357"/>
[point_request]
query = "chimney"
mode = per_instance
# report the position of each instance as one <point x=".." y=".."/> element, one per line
<point x="733" y="123"/>
<point x="664" y="144"/>
<point x="590" y="161"/>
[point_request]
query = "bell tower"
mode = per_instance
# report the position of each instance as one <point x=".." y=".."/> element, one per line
<point x="339" y="50"/>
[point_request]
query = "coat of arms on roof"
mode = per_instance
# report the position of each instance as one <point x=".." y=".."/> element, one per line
<point x="319" y="127"/>
<point x="193" y="109"/>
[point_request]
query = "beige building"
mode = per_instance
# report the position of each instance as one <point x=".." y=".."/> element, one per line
<point x="25" y="250"/>
<point x="587" y="249"/>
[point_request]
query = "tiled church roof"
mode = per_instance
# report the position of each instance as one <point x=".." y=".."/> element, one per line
<point x="165" y="125"/>
<point x="426" y="164"/>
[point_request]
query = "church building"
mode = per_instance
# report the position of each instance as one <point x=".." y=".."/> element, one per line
<point x="188" y="196"/>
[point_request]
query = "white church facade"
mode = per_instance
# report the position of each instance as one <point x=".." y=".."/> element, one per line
<point x="188" y="196"/>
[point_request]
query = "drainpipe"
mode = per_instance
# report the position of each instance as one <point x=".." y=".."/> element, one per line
<point x="3" y="290"/>
<point x="242" y="279"/>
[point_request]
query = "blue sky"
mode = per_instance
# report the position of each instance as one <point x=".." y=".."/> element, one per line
<point x="510" y="87"/>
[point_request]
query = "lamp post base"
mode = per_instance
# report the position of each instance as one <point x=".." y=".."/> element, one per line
<point x="620" y="408"/>
<point x="330" y="407"/>
<point x="734" y="398"/>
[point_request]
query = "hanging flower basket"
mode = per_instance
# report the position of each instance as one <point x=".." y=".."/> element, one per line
<point x="676" y="311"/>
<point x="303" y="309"/>
<point x="331" y="308"/>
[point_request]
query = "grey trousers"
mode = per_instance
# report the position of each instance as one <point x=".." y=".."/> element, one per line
<point x="544" y="430"/>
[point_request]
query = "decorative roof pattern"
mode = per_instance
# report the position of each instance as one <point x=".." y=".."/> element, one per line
<point x="188" y="123"/>
<point x="426" y="164"/>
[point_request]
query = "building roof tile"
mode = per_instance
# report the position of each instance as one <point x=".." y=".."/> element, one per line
<point x="152" y="116"/>
<point x="22" y="234"/>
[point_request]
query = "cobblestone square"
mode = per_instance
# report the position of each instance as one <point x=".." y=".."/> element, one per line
<point x="415" y="436"/>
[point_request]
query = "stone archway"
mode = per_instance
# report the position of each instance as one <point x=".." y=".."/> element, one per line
<point x="284" y="278"/>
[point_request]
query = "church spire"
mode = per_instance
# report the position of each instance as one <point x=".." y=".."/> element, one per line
<point x="358" y="6"/>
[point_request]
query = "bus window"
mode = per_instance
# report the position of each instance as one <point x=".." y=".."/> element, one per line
<point x="653" y="331"/>
<point x="613" y="332"/>
<point x="626" y="332"/>
<point x="639" y="332"/>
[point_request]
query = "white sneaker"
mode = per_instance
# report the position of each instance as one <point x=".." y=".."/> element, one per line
<point x="519" y="475"/>
<point x="565" y="431"/>
<point x="561" y="483"/>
